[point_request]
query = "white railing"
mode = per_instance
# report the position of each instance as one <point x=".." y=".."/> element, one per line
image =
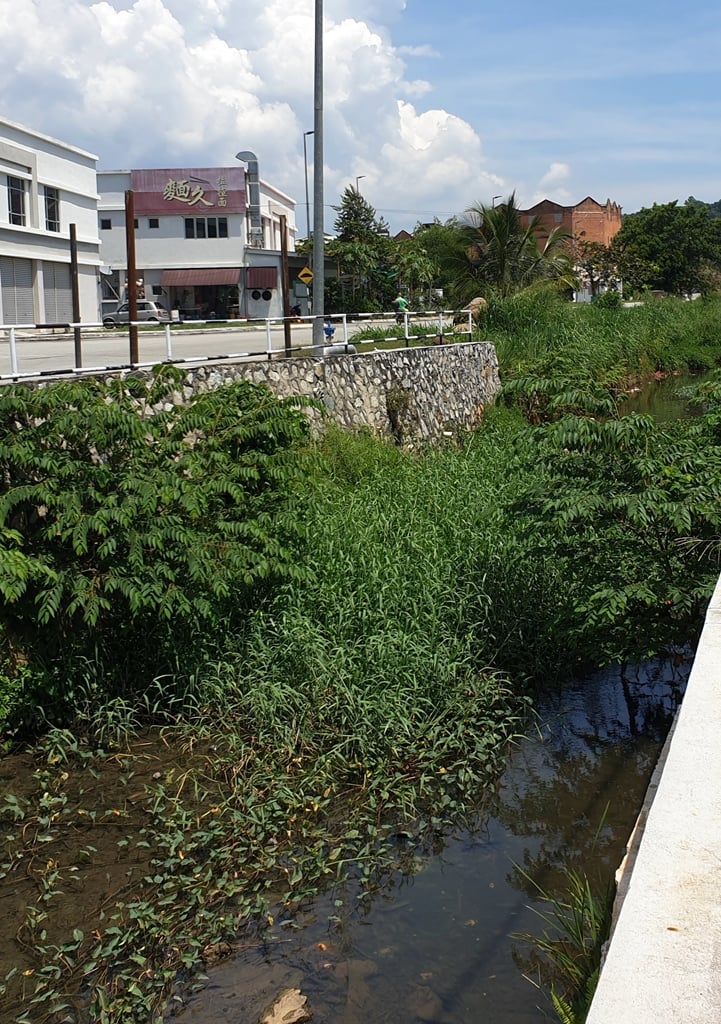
<point x="37" y="350"/>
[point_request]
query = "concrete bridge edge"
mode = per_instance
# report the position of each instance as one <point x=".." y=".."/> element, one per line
<point x="663" y="962"/>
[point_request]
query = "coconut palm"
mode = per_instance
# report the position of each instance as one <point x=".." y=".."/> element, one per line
<point x="506" y="256"/>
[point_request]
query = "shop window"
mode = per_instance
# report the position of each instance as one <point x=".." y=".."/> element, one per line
<point x="206" y="227"/>
<point x="52" y="208"/>
<point x="16" y="200"/>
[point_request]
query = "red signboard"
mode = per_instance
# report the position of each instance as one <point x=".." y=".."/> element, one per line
<point x="195" y="191"/>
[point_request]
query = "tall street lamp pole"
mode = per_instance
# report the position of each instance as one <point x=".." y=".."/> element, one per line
<point x="307" y="201"/>
<point x="318" y="209"/>
<point x="358" y="178"/>
<point x="494" y="201"/>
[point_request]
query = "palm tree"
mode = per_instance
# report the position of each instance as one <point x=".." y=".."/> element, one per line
<point x="506" y="256"/>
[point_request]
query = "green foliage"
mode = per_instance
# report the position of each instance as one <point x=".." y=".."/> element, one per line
<point x="610" y="299"/>
<point x="445" y="244"/>
<point x="598" y="264"/>
<point x="505" y="256"/>
<point x="415" y="270"/>
<point x="357" y="220"/>
<point x="537" y="335"/>
<point x="125" y="518"/>
<point x="666" y="246"/>
<point x="568" y="952"/>
<point x="617" y="502"/>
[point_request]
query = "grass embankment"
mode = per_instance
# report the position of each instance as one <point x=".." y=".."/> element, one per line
<point x="537" y="336"/>
<point x="343" y="717"/>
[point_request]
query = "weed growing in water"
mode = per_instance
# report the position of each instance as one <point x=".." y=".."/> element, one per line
<point x="567" y="954"/>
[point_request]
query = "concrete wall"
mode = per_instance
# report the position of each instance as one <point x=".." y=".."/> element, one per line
<point x="43" y="162"/>
<point x="664" y="960"/>
<point x="407" y="394"/>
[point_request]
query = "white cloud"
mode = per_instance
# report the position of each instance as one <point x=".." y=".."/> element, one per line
<point x="554" y="185"/>
<point x="418" y="51"/>
<point x="156" y="82"/>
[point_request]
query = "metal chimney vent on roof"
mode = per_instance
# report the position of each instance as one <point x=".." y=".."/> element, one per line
<point x="256" y="225"/>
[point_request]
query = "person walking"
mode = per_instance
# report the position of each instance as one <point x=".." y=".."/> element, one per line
<point x="400" y="305"/>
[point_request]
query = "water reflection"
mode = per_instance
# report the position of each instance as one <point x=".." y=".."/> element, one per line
<point x="434" y="946"/>
<point x="666" y="399"/>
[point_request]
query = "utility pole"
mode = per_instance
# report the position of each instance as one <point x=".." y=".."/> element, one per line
<point x="285" y="281"/>
<point x="307" y="200"/>
<point x="318" y="209"/>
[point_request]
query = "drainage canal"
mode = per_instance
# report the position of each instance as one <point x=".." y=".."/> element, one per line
<point x="435" y="944"/>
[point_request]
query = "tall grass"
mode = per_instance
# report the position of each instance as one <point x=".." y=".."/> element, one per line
<point x="535" y="332"/>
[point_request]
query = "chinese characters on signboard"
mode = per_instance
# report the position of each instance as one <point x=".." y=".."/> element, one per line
<point x="184" y="192"/>
<point x="174" y="190"/>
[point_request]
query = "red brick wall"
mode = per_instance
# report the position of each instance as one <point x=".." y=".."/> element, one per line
<point x="589" y="220"/>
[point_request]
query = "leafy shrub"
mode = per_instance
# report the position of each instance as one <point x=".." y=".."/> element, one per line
<point x="126" y="519"/>
<point x="610" y="299"/>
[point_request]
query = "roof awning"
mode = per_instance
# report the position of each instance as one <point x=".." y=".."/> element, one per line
<point x="261" y="277"/>
<point x="208" y="275"/>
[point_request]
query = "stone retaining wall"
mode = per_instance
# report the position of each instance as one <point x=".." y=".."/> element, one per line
<point x="410" y="394"/>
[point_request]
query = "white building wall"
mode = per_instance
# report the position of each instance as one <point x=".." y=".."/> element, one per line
<point x="166" y="248"/>
<point x="41" y="161"/>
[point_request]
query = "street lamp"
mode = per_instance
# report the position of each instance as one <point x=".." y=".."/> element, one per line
<point x="494" y="200"/>
<point x="358" y="178"/>
<point x="318" y="208"/>
<point x="307" y="201"/>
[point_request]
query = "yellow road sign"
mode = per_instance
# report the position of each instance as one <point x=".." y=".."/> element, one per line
<point x="306" y="275"/>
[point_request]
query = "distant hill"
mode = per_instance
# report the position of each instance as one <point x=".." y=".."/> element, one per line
<point x="713" y="209"/>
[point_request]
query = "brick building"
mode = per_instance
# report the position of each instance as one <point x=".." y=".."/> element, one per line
<point x="588" y="221"/>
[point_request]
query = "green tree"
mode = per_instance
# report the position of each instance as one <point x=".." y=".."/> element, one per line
<point x="632" y="510"/>
<point x="121" y="528"/>
<point x="596" y="261"/>
<point x="363" y="253"/>
<point x="669" y="247"/>
<point x="416" y="270"/>
<point x="445" y="244"/>
<point x="505" y="256"/>
<point x="357" y="220"/>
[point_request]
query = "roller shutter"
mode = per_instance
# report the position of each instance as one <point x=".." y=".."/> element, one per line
<point x="16" y="281"/>
<point x="58" y="293"/>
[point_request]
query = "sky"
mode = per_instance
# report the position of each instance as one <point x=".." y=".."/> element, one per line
<point x="434" y="107"/>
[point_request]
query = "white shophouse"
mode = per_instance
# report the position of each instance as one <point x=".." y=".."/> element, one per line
<point x="207" y="240"/>
<point x="45" y="187"/>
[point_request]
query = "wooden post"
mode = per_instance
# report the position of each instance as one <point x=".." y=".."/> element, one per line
<point x="75" y="287"/>
<point x="132" y="276"/>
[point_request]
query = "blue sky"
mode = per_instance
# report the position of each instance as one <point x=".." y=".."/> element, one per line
<point x="436" y="106"/>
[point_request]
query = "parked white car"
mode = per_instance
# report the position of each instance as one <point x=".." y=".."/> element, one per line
<point x="152" y="312"/>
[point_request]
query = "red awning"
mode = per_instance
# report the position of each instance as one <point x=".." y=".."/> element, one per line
<point x="208" y="275"/>
<point x="261" y="277"/>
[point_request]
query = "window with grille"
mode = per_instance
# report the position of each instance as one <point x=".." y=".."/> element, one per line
<point x="206" y="227"/>
<point x="52" y="208"/>
<point x="16" y="200"/>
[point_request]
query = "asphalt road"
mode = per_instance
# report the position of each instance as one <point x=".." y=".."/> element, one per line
<point x="54" y="352"/>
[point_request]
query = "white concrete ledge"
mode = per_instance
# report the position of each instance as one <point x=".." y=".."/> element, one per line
<point x="664" y="960"/>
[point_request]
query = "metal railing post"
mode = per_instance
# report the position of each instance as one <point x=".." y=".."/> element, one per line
<point x="345" y="330"/>
<point x="268" y="340"/>
<point x="405" y="328"/>
<point x="168" y="343"/>
<point x="13" y="353"/>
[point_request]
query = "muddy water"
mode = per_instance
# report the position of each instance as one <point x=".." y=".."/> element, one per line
<point x="435" y="945"/>
<point x="665" y="399"/>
